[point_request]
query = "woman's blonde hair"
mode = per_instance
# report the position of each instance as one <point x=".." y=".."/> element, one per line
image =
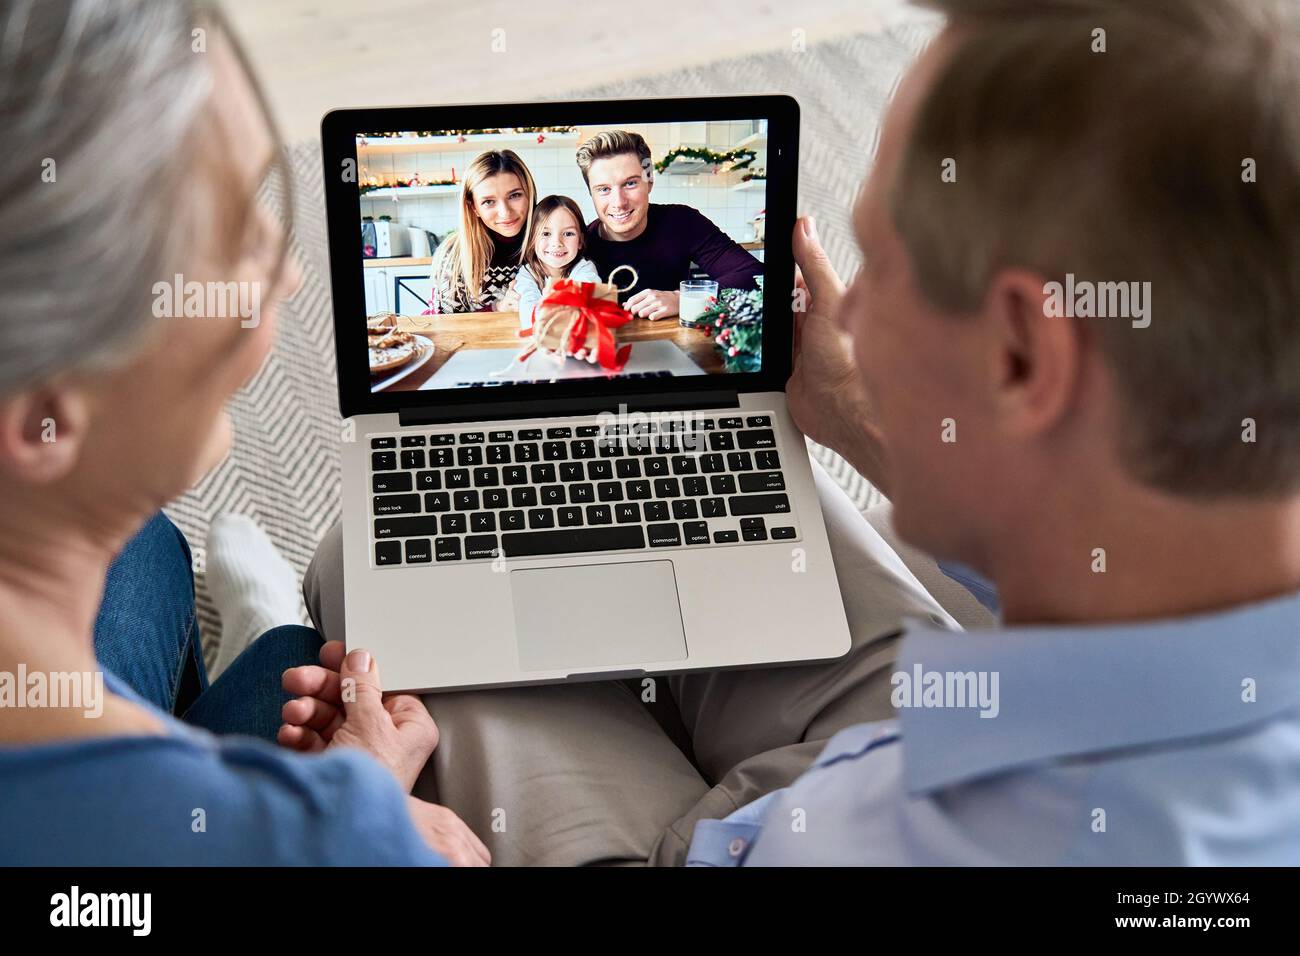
<point x="541" y="212"/>
<point x="472" y="245"/>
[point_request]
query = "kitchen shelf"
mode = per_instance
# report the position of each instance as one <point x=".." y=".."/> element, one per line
<point x="398" y="192"/>
<point x="398" y="144"/>
<point x="749" y="184"/>
<point x="755" y="141"/>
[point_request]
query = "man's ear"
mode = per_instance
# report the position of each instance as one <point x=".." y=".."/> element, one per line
<point x="1038" y="356"/>
<point x="42" y="432"/>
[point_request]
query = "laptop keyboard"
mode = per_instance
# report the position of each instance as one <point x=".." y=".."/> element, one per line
<point x="469" y="495"/>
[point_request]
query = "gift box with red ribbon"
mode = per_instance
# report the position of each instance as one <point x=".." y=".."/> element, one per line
<point x="575" y="317"/>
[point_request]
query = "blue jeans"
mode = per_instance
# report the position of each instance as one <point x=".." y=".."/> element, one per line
<point x="147" y="635"/>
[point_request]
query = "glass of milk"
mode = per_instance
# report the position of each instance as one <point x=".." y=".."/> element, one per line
<point x="694" y="296"/>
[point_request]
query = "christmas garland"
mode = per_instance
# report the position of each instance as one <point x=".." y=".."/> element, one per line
<point x="737" y="158"/>
<point x="470" y="132"/>
<point x="375" y="183"/>
<point x="736" y="324"/>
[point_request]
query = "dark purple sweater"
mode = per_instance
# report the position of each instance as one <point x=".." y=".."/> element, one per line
<point x="674" y="237"/>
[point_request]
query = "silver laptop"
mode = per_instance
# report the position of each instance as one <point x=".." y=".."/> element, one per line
<point x="521" y="520"/>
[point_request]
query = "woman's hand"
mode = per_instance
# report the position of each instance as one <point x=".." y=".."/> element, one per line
<point x="826" y="395"/>
<point x="445" y="833"/>
<point x="340" y="704"/>
<point x="507" y="300"/>
<point x="653" y="304"/>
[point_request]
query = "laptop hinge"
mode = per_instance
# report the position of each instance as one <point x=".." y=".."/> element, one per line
<point x="567" y="406"/>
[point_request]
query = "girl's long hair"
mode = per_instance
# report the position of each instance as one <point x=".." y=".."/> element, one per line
<point x="472" y="244"/>
<point x="540" y="213"/>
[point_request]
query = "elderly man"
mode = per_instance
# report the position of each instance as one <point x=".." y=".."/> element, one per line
<point x="1129" y="483"/>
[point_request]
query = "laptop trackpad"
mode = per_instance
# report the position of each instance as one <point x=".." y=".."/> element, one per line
<point x="585" y="617"/>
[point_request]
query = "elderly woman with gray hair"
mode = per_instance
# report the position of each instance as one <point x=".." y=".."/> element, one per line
<point x="136" y="142"/>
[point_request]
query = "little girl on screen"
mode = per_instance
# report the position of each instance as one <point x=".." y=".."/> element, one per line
<point x="553" y="249"/>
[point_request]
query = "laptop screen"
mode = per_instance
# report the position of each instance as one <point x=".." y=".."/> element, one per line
<point x="526" y="255"/>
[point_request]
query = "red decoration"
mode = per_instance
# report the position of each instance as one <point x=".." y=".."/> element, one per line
<point x="541" y="137"/>
<point x="589" y="316"/>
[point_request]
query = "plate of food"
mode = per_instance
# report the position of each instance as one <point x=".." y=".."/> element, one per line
<point x="393" y="352"/>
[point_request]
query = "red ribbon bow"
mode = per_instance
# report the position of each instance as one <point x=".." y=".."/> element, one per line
<point x="603" y="314"/>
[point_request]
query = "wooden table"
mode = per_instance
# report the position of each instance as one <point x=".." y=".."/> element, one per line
<point x="500" y="330"/>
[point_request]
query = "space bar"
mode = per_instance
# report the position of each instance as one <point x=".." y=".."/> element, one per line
<point x="571" y="540"/>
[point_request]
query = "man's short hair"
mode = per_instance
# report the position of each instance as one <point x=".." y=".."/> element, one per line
<point x="614" y="142"/>
<point x="1120" y="140"/>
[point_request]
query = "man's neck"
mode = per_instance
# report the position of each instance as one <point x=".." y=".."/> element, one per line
<point x="1147" y="556"/>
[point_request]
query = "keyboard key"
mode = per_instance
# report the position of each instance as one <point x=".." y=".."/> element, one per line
<point x="694" y="442"/>
<point x="465" y="500"/>
<point x="628" y="511"/>
<point x="397" y="504"/>
<point x="428" y="480"/>
<point x="392" y="481"/>
<point x="663" y="535"/>
<point x="628" y="468"/>
<point x="729" y="423"/>
<point x="512" y="520"/>
<point x="638" y="490"/>
<point x="609" y="491"/>
<point x="757" y="439"/>
<point x="383" y="443"/>
<point x="609" y="448"/>
<point x="583" y="448"/>
<point x="599" y="514"/>
<point x="684" y="508"/>
<point x="570" y="516"/>
<point x="447" y="549"/>
<point x="582" y="492"/>
<point x="739" y="461"/>
<point x="767" y="459"/>
<point x="483" y="521"/>
<point x="553" y="495"/>
<point x="683" y="465"/>
<point x="786" y="532"/>
<point x="758" y="421"/>
<point x="586" y="431"/>
<point x="526" y="452"/>
<point x="694" y="486"/>
<point x="495" y="498"/>
<point x="446" y="439"/>
<point x="523" y="497"/>
<point x="506" y="435"/>
<point x="498" y="454"/>
<point x="600" y="470"/>
<point x="759" y="504"/>
<point x="413" y="441"/>
<point x="468" y="456"/>
<point x="405" y="527"/>
<point x="762" y="481"/>
<point x="656" y="467"/>
<point x="388" y="552"/>
<point x="453" y="523"/>
<point x="487" y="476"/>
<point x="753" y="529"/>
<point x="542" y="474"/>
<point x="656" y="511"/>
<point x="456" y="477"/>
<point x="440" y="457"/>
<point x="413" y="458"/>
<point x="571" y="471"/>
<point x="667" y="488"/>
<point x="529" y="434"/>
<point x="418" y="551"/>
<point x="696" y="532"/>
<point x="721" y="441"/>
<point x="383" y="461"/>
<point x="713" y="462"/>
<point x="435" y="501"/>
<point x="573" y="540"/>
<point x="555" y="451"/>
<point x="514" y="475"/>
<point x="541" y="518"/>
<point x="725" y="537"/>
<point x="560" y="432"/>
<point x="471" y="438"/>
<point x="481" y="546"/>
<point x="713" y="508"/>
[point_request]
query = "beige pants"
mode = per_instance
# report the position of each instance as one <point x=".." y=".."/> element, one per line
<point x="584" y="774"/>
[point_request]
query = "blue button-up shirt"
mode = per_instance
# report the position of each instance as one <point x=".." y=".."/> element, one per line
<point x="1166" y="742"/>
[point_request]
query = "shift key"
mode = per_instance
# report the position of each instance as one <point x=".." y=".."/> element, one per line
<point x="759" y="504"/>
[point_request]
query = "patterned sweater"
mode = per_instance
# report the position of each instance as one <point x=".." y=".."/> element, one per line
<point x="449" y="291"/>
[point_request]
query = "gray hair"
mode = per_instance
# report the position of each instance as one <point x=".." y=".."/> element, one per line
<point x="99" y="96"/>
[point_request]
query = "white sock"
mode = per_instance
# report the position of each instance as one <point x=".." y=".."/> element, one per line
<point x="252" y="585"/>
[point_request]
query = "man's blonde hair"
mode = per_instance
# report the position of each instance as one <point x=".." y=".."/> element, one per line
<point x="614" y="142"/>
<point x="1133" y="140"/>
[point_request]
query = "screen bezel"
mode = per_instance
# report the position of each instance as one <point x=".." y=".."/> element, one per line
<point x="339" y="129"/>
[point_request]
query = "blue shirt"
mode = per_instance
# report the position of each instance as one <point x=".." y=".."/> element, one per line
<point x="190" y="798"/>
<point x="1172" y="742"/>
